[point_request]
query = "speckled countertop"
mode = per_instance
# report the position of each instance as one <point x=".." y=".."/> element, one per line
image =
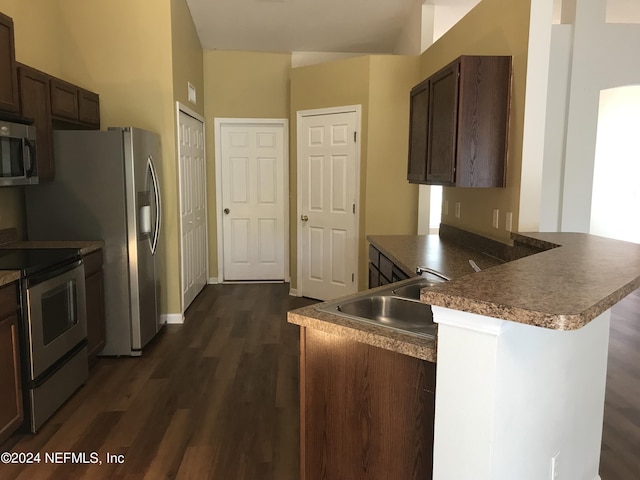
<point x="409" y="251"/>
<point x="8" y="276"/>
<point x="406" y="251"/>
<point x="564" y="287"/>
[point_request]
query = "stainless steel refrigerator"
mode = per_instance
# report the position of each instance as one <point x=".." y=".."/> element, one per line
<point x="107" y="186"/>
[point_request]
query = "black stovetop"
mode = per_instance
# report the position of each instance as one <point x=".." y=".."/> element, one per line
<point x="34" y="260"/>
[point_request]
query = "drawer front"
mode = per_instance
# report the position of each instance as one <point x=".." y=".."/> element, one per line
<point x="374" y="256"/>
<point x="386" y="267"/>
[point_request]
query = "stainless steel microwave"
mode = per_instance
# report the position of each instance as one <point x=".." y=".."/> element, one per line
<point x="17" y="154"/>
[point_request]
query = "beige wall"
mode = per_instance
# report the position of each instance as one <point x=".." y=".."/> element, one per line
<point x="493" y="27"/>
<point x="131" y="54"/>
<point x="240" y="85"/>
<point x="188" y="66"/>
<point x="391" y="203"/>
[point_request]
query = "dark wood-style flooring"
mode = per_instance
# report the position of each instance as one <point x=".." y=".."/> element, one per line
<point x="218" y="398"/>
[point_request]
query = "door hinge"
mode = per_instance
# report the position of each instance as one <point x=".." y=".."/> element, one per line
<point x="355" y="137"/>
<point x="353" y="277"/>
<point x="354" y="208"/>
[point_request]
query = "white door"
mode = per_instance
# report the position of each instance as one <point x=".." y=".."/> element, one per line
<point x="193" y="215"/>
<point x="253" y="201"/>
<point x="327" y="220"/>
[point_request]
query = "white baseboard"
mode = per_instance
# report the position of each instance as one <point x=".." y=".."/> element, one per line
<point x="293" y="292"/>
<point x="172" y="318"/>
<point x="213" y="281"/>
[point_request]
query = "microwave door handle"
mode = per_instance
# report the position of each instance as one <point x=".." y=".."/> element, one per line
<point x="158" y="205"/>
<point x="27" y="157"/>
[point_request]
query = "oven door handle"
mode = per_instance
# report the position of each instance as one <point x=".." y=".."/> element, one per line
<point x="33" y="280"/>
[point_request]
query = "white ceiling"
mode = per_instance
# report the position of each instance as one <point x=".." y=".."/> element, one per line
<point x="349" y="26"/>
<point x="371" y="26"/>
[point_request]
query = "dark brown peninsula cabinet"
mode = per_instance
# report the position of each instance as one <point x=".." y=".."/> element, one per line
<point x="8" y="75"/>
<point x="11" y="412"/>
<point x="459" y="122"/>
<point x="366" y="413"/>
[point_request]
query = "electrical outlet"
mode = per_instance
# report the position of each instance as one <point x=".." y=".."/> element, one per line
<point x="508" y="222"/>
<point x="445" y="207"/>
<point x="555" y="475"/>
<point x="457" y="209"/>
<point x="496" y="218"/>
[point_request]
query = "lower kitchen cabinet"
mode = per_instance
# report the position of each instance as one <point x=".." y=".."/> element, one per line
<point x="94" y="288"/>
<point x="382" y="270"/>
<point x="11" y="412"/>
<point x="366" y="413"/>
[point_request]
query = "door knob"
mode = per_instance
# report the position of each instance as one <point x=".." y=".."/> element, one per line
<point x="304" y="218"/>
<point x="226" y="211"/>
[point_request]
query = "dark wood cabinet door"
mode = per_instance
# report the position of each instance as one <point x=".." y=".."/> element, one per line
<point x="35" y="102"/>
<point x="442" y="128"/>
<point x="8" y="73"/>
<point x="89" y="108"/>
<point x="418" y="116"/>
<point x="366" y="413"/>
<point x="64" y="99"/>
<point x="483" y="120"/>
<point x="374" y="276"/>
<point x="94" y="291"/>
<point x="11" y="411"/>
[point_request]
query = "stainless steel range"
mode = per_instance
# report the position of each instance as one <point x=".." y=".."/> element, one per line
<point x="53" y="327"/>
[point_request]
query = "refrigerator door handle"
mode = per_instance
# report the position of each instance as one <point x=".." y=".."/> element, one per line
<point x="158" y="202"/>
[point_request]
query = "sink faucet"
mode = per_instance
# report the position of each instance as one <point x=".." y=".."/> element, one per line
<point x="420" y="270"/>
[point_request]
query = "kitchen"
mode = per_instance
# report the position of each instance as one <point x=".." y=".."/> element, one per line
<point x="80" y="55"/>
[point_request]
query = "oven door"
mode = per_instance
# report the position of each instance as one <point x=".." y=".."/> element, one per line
<point x="56" y="315"/>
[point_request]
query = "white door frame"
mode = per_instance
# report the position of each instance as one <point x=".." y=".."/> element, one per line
<point x="300" y="181"/>
<point x="218" y="123"/>
<point x="184" y="109"/>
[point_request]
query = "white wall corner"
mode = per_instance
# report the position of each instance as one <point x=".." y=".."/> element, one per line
<point x="533" y="137"/>
<point x="172" y="318"/>
<point x="409" y="40"/>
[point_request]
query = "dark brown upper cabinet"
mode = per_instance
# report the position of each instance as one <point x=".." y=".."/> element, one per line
<point x="70" y="103"/>
<point x="35" y="102"/>
<point x="8" y="74"/>
<point x="40" y="95"/>
<point x="459" y="124"/>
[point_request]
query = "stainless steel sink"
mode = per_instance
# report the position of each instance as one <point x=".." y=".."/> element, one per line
<point x="396" y="307"/>
<point x="412" y="290"/>
<point x="394" y="312"/>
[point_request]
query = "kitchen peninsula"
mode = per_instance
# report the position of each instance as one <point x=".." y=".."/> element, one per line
<point x="521" y="354"/>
